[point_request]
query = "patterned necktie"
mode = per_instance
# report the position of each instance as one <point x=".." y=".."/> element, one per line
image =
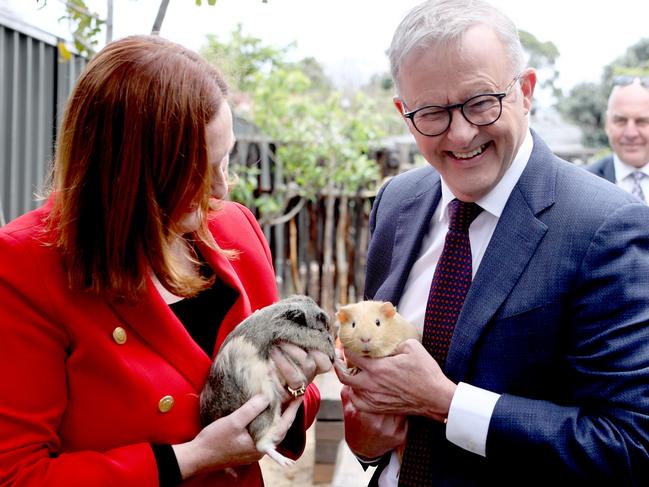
<point x="448" y="289"/>
<point x="637" y="189"/>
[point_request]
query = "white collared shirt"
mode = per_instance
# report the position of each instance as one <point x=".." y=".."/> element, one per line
<point x="471" y="407"/>
<point x="624" y="178"/>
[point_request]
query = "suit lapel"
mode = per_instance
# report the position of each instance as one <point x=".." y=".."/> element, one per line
<point x="415" y="214"/>
<point x="512" y="245"/>
<point x="608" y="170"/>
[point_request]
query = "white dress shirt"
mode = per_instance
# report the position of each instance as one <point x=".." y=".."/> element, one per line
<point x="624" y="178"/>
<point x="471" y="407"/>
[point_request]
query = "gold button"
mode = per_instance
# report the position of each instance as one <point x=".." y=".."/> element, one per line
<point x="165" y="404"/>
<point x="119" y="335"/>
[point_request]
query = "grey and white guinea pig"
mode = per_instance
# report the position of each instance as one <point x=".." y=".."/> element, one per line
<point x="372" y="329"/>
<point x="243" y="367"/>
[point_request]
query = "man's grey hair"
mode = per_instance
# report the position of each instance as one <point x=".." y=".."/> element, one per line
<point x="443" y="22"/>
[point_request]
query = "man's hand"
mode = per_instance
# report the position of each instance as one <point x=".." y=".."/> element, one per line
<point x="407" y="383"/>
<point x="369" y="435"/>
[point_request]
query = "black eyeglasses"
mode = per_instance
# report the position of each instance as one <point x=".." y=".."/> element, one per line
<point x="483" y="109"/>
<point x="627" y="80"/>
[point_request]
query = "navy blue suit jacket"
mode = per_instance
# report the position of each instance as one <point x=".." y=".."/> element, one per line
<point x="556" y="320"/>
<point x="604" y="168"/>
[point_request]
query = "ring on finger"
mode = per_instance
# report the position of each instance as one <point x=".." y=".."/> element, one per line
<point x="296" y="392"/>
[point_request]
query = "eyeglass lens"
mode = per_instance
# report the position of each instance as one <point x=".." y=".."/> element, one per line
<point x="480" y="110"/>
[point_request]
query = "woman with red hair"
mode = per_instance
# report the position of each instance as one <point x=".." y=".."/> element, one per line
<point x="119" y="291"/>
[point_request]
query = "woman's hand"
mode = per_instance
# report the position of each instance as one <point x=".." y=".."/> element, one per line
<point x="297" y="368"/>
<point x="226" y="441"/>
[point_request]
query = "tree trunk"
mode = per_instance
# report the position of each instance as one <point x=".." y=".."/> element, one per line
<point x="313" y="252"/>
<point x="298" y="287"/>
<point x="162" y="11"/>
<point x="109" y="21"/>
<point x="361" y="247"/>
<point x="327" y="258"/>
<point x="342" y="266"/>
<point x="303" y="248"/>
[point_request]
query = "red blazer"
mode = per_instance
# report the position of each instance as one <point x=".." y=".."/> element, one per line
<point x="79" y="406"/>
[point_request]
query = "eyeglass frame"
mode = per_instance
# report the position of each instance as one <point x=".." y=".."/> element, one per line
<point x="449" y="109"/>
<point x="626" y="80"/>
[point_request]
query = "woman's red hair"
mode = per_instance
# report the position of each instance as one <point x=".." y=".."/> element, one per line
<point x="131" y="158"/>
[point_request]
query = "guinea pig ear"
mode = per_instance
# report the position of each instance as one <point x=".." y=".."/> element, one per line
<point x="342" y="316"/>
<point x="387" y="309"/>
<point x="295" y="315"/>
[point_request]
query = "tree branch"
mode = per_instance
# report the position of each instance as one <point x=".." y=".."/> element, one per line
<point x="162" y="11"/>
<point x="81" y="11"/>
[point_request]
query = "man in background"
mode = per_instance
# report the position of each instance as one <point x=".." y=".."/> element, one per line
<point x="627" y="127"/>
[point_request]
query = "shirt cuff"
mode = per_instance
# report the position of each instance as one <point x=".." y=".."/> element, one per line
<point x="469" y="416"/>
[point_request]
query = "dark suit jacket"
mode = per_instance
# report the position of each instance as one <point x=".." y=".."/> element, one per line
<point x="556" y="320"/>
<point x="604" y="168"/>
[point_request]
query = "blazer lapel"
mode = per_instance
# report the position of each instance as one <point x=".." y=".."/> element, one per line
<point x="415" y="214"/>
<point x="157" y="325"/>
<point x="512" y="245"/>
<point x="153" y="320"/>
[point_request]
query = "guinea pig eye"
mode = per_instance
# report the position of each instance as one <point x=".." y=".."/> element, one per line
<point x="378" y="323"/>
<point x="353" y="324"/>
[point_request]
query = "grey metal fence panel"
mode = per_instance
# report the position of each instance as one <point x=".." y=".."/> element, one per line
<point x="34" y="85"/>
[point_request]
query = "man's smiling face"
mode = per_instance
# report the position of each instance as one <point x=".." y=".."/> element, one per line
<point x="471" y="159"/>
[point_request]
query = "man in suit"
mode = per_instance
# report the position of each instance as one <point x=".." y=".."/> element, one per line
<point x="627" y="127"/>
<point x="544" y="375"/>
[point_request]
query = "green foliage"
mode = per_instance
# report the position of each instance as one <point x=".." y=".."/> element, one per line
<point x="312" y="69"/>
<point x="585" y="105"/>
<point x="543" y="57"/>
<point x="245" y="185"/>
<point x="322" y="137"/>
<point x="242" y="57"/>
<point x="380" y="89"/>
<point x="86" y="26"/>
<point x="541" y="53"/>
<point x="322" y="140"/>
<point x="634" y="62"/>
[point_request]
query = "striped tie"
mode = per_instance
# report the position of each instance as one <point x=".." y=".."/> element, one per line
<point x="636" y="190"/>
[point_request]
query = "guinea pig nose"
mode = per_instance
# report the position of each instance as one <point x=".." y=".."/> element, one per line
<point x="365" y="340"/>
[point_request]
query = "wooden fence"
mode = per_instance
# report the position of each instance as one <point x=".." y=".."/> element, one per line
<point x="319" y="247"/>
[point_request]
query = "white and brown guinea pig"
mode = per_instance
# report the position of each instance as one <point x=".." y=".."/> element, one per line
<point x="243" y="366"/>
<point x="372" y="329"/>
